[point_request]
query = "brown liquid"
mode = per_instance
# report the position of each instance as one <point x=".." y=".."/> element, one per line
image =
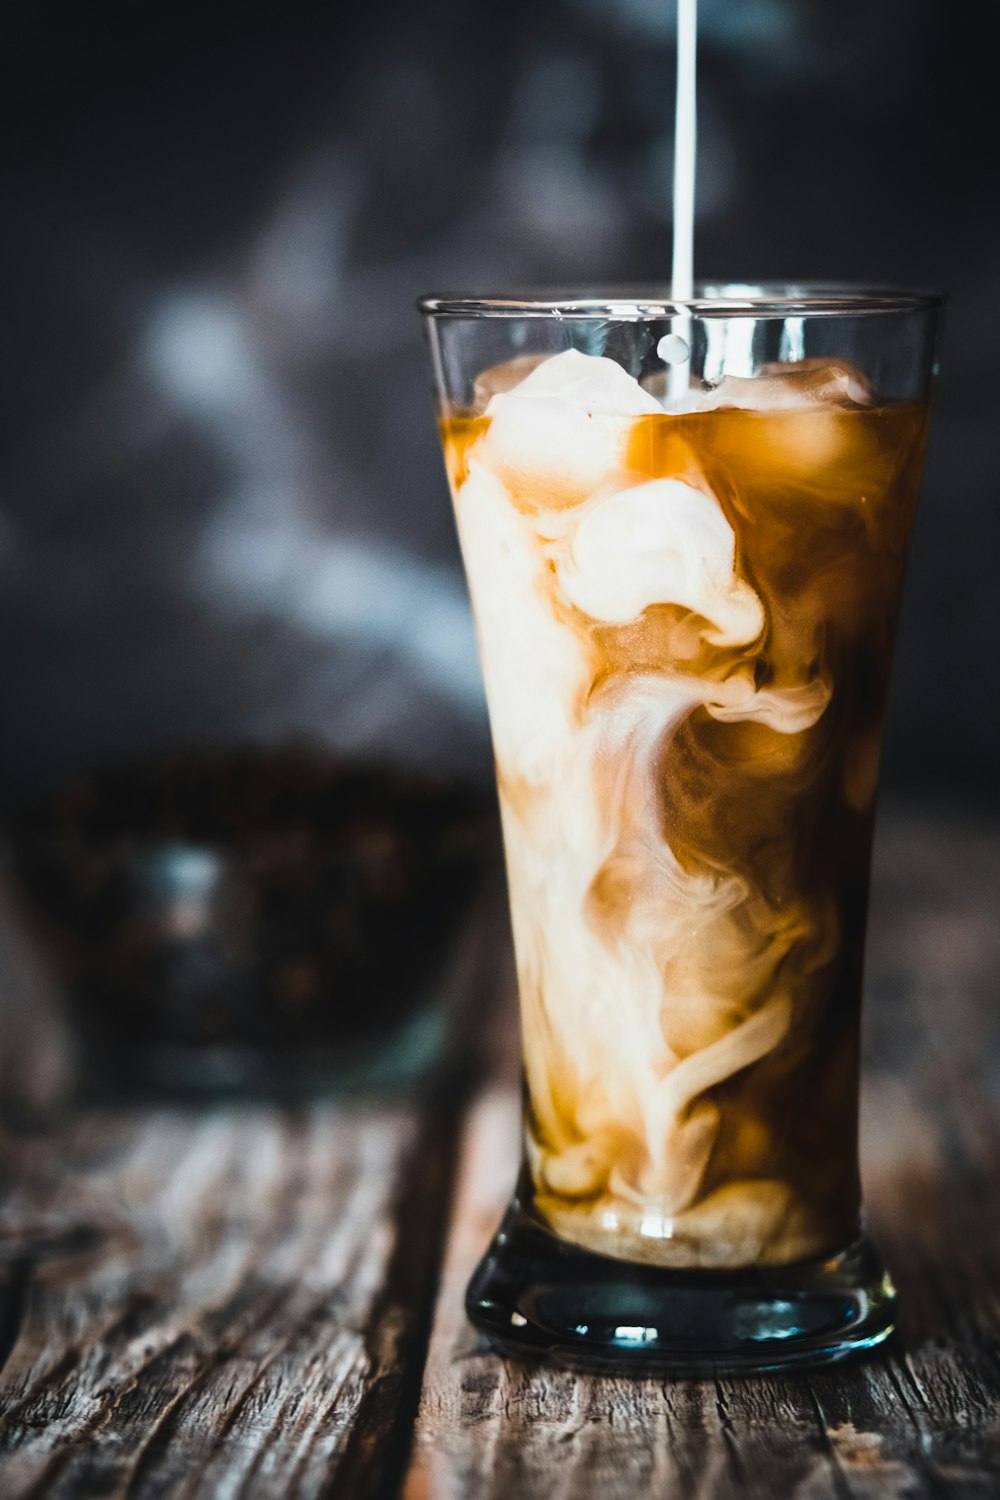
<point x="752" y="840"/>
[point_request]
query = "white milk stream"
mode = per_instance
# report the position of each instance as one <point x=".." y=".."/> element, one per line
<point x="685" y="154"/>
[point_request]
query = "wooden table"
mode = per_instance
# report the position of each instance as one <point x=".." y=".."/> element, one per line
<point x="262" y="1301"/>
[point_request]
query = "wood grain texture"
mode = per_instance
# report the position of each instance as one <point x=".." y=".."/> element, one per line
<point x="922" y="1418"/>
<point x="236" y="1302"/>
<point x="221" y="1303"/>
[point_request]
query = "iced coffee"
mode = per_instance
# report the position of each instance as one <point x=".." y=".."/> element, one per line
<point x="685" y="620"/>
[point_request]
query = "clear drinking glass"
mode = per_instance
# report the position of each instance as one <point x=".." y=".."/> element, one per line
<point x="684" y="529"/>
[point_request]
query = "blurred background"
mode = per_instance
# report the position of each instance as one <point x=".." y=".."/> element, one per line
<point x="223" y="509"/>
<point x="223" y="517"/>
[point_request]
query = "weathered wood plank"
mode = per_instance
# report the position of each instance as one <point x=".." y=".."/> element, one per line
<point x="216" y="1301"/>
<point x="229" y="1301"/>
<point x="921" y="1419"/>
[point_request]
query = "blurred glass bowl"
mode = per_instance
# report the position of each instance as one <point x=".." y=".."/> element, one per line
<point x="255" y="919"/>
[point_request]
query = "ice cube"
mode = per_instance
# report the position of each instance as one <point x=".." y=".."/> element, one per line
<point x="788" y="387"/>
<point x="563" y="430"/>
<point x="590" y="382"/>
<point x="499" y="379"/>
<point x="804" y="429"/>
<point x="824" y="381"/>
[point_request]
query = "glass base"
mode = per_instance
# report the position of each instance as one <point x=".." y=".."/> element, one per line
<point x="535" y="1294"/>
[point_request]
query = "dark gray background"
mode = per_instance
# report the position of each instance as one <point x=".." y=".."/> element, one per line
<point x="223" y="513"/>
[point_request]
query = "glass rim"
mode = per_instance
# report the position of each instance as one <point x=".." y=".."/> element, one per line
<point x="636" y="303"/>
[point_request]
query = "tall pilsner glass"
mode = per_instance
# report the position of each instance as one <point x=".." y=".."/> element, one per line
<point x="684" y="529"/>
